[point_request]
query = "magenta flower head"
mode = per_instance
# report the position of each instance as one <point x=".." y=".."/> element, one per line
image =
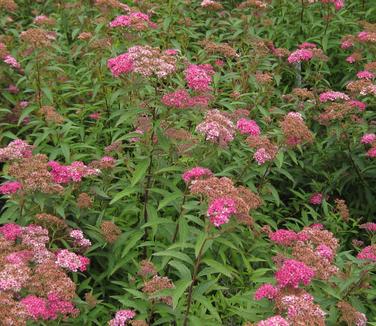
<point x="10" y="187"/>
<point x="199" y="77"/>
<point x="368" y="253"/>
<point x="261" y="156"/>
<point x="196" y="173"/>
<point x="371" y="152"/>
<point x="121" y="64"/>
<point x="316" y="198"/>
<point x="300" y="55"/>
<point x="248" y="127"/>
<point x="220" y="210"/>
<point x="365" y="74"/>
<point x="11" y="231"/>
<point x="284" y="237"/>
<point x="121" y="317"/>
<point x="292" y="273"/>
<point x="266" y="291"/>
<point x="333" y="96"/>
<point x="369" y="226"/>
<point x="368" y="138"/>
<point x="274" y="321"/>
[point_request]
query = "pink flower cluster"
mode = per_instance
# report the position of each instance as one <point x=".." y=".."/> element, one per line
<point x="261" y="156"/>
<point x="333" y="96"/>
<point x="267" y="290"/>
<point x="11" y="231"/>
<point x="136" y="20"/>
<point x="249" y="127"/>
<point x="121" y="64"/>
<point x="11" y="61"/>
<point x="274" y="321"/>
<point x="16" y="149"/>
<point x="369" y="226"/>
<point x="217" y="128"/>
<point x="47" y="309"/>
<point x="121" y="317"/>
<point x="300" y="55"/>
<point x="71" y="261"/>
<point x="10" y="187"/>
<point x="196" y="173"/>
<point x="368" y="138"/>
<point x="181" y="99"/>
<point x="357" y="104"/>
<point x="316" y="198"/>
<point x="199" y="77"/>
<point x="286" y="237"/>
<point x="294" y="272"/>
<point x="365" y="74"/>
<point x="220" y="210"/>
<point x="368" y="253"/>
<point x="338" y="4"/>
<point x="298" y="306"/>
<point x="79" y="239"/>
<point x="75" y="172"/>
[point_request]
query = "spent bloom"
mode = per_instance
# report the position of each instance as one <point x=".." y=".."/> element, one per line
<point x="220" y="210"/>
<point x="294" y="272"/>
<point x="10" y="187"/>
<point x="195" y="173"/>
<point x="121" y="317"/>
<point x="16" y="149"/>
<point x="199" y="77"/>
<point x="249" y="127"/>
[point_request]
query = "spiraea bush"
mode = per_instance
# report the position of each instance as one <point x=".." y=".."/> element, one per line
<point x="188" y="162"/>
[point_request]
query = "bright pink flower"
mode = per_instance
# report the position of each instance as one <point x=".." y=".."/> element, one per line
<point x="249" y="127"/>
<point x="368" y="138"/>
<point x="75" y="172"/>
<point x="368" y="253"/>
<point x="220" y="210"/>
<point x="261" y="156"/>
<point x="11" y="231"/>
<point x="300" y="55"/>
<point x="16" y="149"/>
<point x="196" y="173"/>
<point x="19" y="257"/>
<point x="219" y="63"/>
<point x="274" y="321"/>
<point x="294" y="272"/>
<point x="199" y="77"/>
<point x="333" y="96"/>
<point x="372" y="152"/>
<point x="363" y="36"/>
<point x="12" y="62"/>
<point x="284" y="237"/>
<point x="346" y="44"/>
<point x="137" y="20"/>
<point x="357" y="104"/>
<point x="10" y="187"/>
<point x="71" y="261"/>
<point x="171" y="51"/>
<point x="95" y="115"/>
<point x="121" y="64"/>
<point x="324" y="251"/>
<point x="365" y="74"/>
<point x="121" y="317"/>
<point x="368" y="226"/>
<point x="36" y="307"/>
<point x="351" y="59"/>
<point x="307" y="45"/>
<point x="316" y="198"/>
<point x="266" y="291"/>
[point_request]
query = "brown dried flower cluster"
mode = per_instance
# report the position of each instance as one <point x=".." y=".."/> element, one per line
<point x="12" y="311"/>
<point x="90" y="299"/>
<point x="37" y="38"/>
<point x="44" y="20"/>
<point x="8" y="5"/>
<point x="184" y="139"/>
<point x="214" y="188"/>
<point x="156" y="284"/>
<point x="258" y="142"/>
<point x="342" y="209"/>
<point x="335" y="112"/>
<point x="101" y="44"/>
<point x="371" y="66"/>
<point x="350" y="315"/>
<point x="109" y="4"/>
<point x="295" y="130"/>
<point x="222" y="48"/>
<point x="357" y="86"/>
<point x="85" y="36"/>
<point x="34" y="175"/>
<point x="51" y="115"/>
<point x="138" y="323"/>
<point x="49" y="221"/>
<point x="213" y="5"/>
<point x="263" y="78"/>
<point x="368" y="27"/>
<point x="110" y="231"/>
<point x="84" y="200"/>
<point x="303" y="93"/>
<point x="114" y="147"/>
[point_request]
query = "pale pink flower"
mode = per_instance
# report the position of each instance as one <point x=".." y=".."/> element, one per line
<point x="300" y="55"/>
<point x="12" y="62"/>
<point x="196" y="173"/>
<point x="121" y="317"/>
<point x="333" y="96"/>
<point x="261" y="156"/>
<point x="274" y="321"/>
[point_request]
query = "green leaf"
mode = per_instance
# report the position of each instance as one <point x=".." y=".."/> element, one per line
<point x="169" y="199"/>
<point x="123" y="193"/>
<point x="140" y="171"/>
<point x="180" y="287"/>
